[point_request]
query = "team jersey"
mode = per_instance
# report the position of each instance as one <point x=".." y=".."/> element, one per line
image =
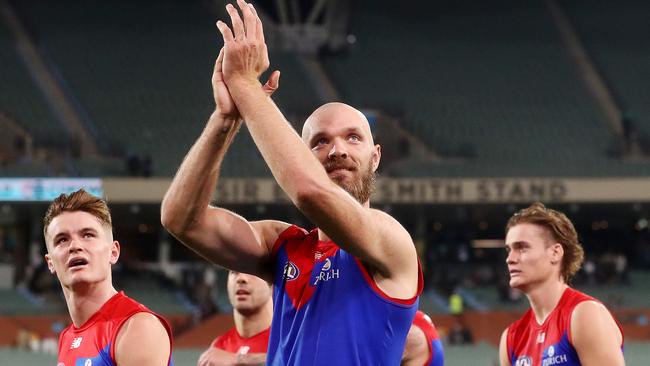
<point x="531" y="344"/>
<point x="327" y="309"/>
<point x="92" y="344"/>
<point x="232" y="342"/>
<point x="436" y="355"/>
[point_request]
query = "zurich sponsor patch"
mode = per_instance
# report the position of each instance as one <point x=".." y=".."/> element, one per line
<point x="553" y="358"/>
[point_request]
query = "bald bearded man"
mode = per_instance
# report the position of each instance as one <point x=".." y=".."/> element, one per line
<point x="344" y="292"/>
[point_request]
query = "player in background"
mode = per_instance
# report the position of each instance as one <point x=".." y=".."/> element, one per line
<point x="423" y="345"/>
<point x="563" y="326"/>
<point x="332" y="284"/>
<point x="108" y="328"/>
<point x="246" y="343"/>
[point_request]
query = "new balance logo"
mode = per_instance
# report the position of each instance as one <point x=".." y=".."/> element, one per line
<point x="541" y="337"/>
<point x="76" y="343"/>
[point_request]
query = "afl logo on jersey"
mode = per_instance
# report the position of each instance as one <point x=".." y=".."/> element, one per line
<point x="291" y="271"/>
<point x="524" y="361"/>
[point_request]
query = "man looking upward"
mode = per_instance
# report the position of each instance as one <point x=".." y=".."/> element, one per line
<point x="108" y="328"/>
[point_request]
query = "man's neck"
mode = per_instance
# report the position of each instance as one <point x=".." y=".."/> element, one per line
<point x="543" y="299"/>
<point x="252" y="324"/>
<point x="86" y="299"/>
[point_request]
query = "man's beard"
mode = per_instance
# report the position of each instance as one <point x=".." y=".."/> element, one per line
<point x="362" y="188"/>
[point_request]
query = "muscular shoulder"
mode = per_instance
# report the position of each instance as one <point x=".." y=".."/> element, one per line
<point x="590" y="320"/>
<point x="595" y="335"/>
<point x="590" y="308"/>
<point x="270" y="230"/>
<point x="385" y="217"/>
<point x="391" y="228"/>
<point x="142" y="339"/>
<point x="589" y="316"/>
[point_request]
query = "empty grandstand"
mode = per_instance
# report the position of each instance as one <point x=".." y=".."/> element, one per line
<point x="482" y="107"/>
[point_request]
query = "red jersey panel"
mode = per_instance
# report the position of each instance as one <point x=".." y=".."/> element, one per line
<point x="231" y="341"/>
<point x="532" y="344"/>
<point x="92" y="344"/>
<point x="436" y="355"/>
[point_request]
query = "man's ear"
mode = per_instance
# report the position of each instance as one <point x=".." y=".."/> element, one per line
<point x="557" y="253"/>
<point x="50" y="265"/>
<point x="376" y="157"/>
<point x="115" y="251"/>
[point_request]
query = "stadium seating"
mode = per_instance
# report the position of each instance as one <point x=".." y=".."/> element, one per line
<point x="612" y="33"/>
<point x="142" y="71"/>
<point x="20" y="302"/>
<point x="493" y="85"/>
<point x="148" y="289"/>
<point x="20" y="98"/>
<point x="615" y="296"/>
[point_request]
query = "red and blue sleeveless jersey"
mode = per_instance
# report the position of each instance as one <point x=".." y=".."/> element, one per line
<point x="93" y="344"/>
<point x="327" y="309"/>
<point x="436" y="354"/>
<point x="532" y="344"/>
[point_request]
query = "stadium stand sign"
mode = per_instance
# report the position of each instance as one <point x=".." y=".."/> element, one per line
<point x="409" y="191"/>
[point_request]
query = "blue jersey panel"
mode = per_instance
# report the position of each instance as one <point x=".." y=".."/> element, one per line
<point x="327" y="313"/>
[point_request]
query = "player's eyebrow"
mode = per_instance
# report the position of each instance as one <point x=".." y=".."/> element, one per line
<point x="517" y="244"/>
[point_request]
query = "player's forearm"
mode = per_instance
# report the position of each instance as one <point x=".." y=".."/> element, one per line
<point x="191" y="189"/>
<point x="292" y="164"/>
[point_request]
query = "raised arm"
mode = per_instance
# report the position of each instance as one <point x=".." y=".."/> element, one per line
<point x="596" y="336"/>
<point x="370" y="235"/>
<point x="219" y="235"/>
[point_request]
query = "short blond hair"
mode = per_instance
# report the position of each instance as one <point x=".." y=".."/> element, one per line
<point x="78" y="201"/>
<point x="561" y="230"/>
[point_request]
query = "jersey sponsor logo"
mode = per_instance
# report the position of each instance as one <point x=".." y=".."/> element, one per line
<point x="552" y="358"/>
<point x="524" y="361"/>
<point x="326" y="273"/>
<point x="291" y="271"/>
<point x="327" y="265"/>
<point x="76" y="343"/>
